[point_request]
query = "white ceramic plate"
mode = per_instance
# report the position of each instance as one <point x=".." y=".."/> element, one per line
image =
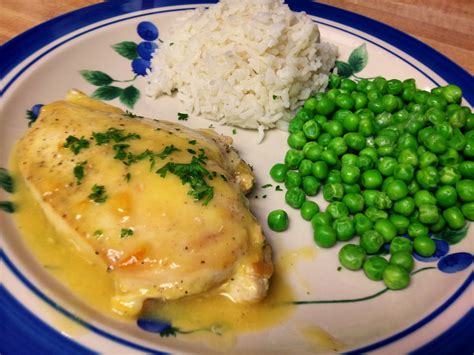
<point x="39" y="66"/>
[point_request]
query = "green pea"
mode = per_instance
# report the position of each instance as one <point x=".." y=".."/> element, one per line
<point x="348" y="84"/>
<point x="361" y="101"/>
<point x="371" y="179"/>
<point x="333" y="191"/>
<point x="467" y="210"/>
<point x="345" y="101"/>
<point x="324" y="139"/>
<point x="397" y="190"/>
<point x="403" y="259"/>
<point x="446" y="196"/>
<point x="445" y="129"/>
<point x="466" y="168"/>
<point x="389" y="103"/>
<point x="439" y="225"/>
<point x="424" y="197"/>
<point x="382" y="201"/>
<point x="371" y="241"/>
<point x="435" y="115"/>
<point x="351" y="122"/>
<point x="320" y="170"/>
<point x="428" y="159"/>
<point x="458" y="141"/>
<point x="293" y="158"/>
<point x="310" y="104"/>
<point x="454" y="218"/>
<point x="404" y="172"/>
<point x="436" y="143"/>
<point x="293" y="179"/>
<point x="350" y="174"/>
<point x="408" y="156"/>
<point x="376" y="105"/>
<point x="311" y="129"/>
<point x="337" y="209"/>
<point x="413" y="188"/>
<point x="374" y="94"/>
<point x="325" y="236"/>
<point x="436" y="101"/>
<point x="297" y="140"/>
<point x="334" y="128"/>
<point x="366" y="127"/>
<point x="394" y="87"/>
<point x="425" y="246"/>
<point x="354" y="202"/>
<point x="329" y="156"/>
<point x="374" y="267"/>
<point x="351" y="189"/>
<point x="344" y="227"/>
<point x="305" y="167"/>
<point x="370" y="152"/>
<point x="325" y="106"/>
<point x="278" y="220"/>
<point x="355" y="141"/>
<point x="401" y="244"/>
<point x="465" y="190"/>
<point x="405" y="206"/>
<point x="313" y="152"/>
<point x="449" y="157"/>
<point x="374" y="214"/>
<point x="334" y="81"/>
<point x="413" y="126"/>
<point x="370" y="196"/>
<point x="408" y="94"/>
<point x="308" y="210"/>
<point x="311" y="185"/>
<point x="428" y="177"/>
<point x="386" y="229"/>
<point x="457" y="118"/>
<point x="278" y="172"/>
<point x="295" y="125"/>
<point x="449" y="175"/>
<point x="407" y="141"/>
<point x="396" y="277"/>
<point x="468" y="150"/>
<point x="295" y="197"/>
<point x="364" y="163"/>
<point x="362" y="223"/>
<point x="340" y="115"/>
<point x="400" y="116"/>
<point x="381" y="84"/>
<point x="386" y="165"/>
<point x="321" y="219"/>
<point x="428" y="214"/>
<point x="320" y="119"/>
<point x="400" y="222"/>
<point x="334" y="176"/>
<point x="417" y="229"/>
<point x="349" y="159"/>
<point x="338" y="145"/>
<point x="352" y="256"/>
<point x="304" y="114"/>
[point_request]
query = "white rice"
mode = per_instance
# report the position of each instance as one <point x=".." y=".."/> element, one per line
<point x="247" y="63"/>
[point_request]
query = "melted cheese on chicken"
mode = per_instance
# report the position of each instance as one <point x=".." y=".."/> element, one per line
<point x="156" y="239"/>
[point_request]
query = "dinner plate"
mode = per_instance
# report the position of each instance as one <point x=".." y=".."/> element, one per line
<point x="334" y="309"/>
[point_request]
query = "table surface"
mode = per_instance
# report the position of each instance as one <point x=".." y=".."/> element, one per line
<point x="446" y="25"/>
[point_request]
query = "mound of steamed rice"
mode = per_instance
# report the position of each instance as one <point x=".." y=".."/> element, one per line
<point x="247" y="63"/>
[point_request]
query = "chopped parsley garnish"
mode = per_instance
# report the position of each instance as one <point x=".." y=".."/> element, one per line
<point x="6" y="181"/>
<point x="98" y="233"/>
<point x="132" y="115"/>
<point x="223" y="177"/>
<point x="7" y="206"/>
<point x="278" y="188"/>
<point x="275" y="97"/>
<point x="127" y="177"/>
<point x="120" y="152"/>
<point x="192" y="151"/>
<point x="167" y="151"/>
<point x="126" y="232"/>
<point x="211" y="126"/>
<point x="234" y="131"/>
<point x="182" y="116"/>
<point x="193" y="142"/>
<point x="98" y="194"/>
<point x="266" y="185"/>
<point x="76" y="144"/>
<point x="31" y="117"/>
<point x="264" y="196"/>
<point x="79" y="172"/>
<point x="193" y="174"/>
<point x="113" y="134"/>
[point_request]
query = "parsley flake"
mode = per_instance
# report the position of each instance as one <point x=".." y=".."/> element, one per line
<point x="131" y="114"/>
<point x="113" y="134"/>
<point x="98" y="233"/>
<point x="127" y="177"/>
<point x="126" y="232"/>
<point x="192" y="142"/>
<point x="98" y="194"/>
<point x="266" y="185"/>
<point x="234" y="131"/>
<point x="278" y="188"/>
<point x="192" y="151"/>
<point x="182" y="116"/>
<point x="76" y="144"/>
<point x="79" y="172"/>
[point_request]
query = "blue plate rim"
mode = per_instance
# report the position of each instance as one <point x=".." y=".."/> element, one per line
<point x="95" y="13"/>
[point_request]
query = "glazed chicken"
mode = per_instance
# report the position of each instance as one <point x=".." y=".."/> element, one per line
<point x="160" y="204"/>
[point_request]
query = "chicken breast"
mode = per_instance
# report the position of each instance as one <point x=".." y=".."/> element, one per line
<point x="160" y="204"/>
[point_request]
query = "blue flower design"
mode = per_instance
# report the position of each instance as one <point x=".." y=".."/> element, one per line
<point x="146" y="49"/>
<point x="164" y="328"/>
<point x="33" y="114"/>
<point x="455" y="262"/>
<point x="140" y="66"/>
<point x="147" y="30"/>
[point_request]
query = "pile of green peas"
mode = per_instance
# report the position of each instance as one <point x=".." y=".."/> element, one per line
<point x="393" y="161"/>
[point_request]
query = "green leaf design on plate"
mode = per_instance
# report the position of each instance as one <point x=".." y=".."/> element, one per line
<point x="129" y="96"/>
<point x="7" y="206"/>
<point x="107" y="93"/>
<point x="453" y="236"/>
<point x="358" y="58"/>
<point x="6" y="181"/>
<point x="344" y="70"/>
<point x="96" y="77"/>
<point x="126" y="49"/>
<point x="30" y="116"/>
